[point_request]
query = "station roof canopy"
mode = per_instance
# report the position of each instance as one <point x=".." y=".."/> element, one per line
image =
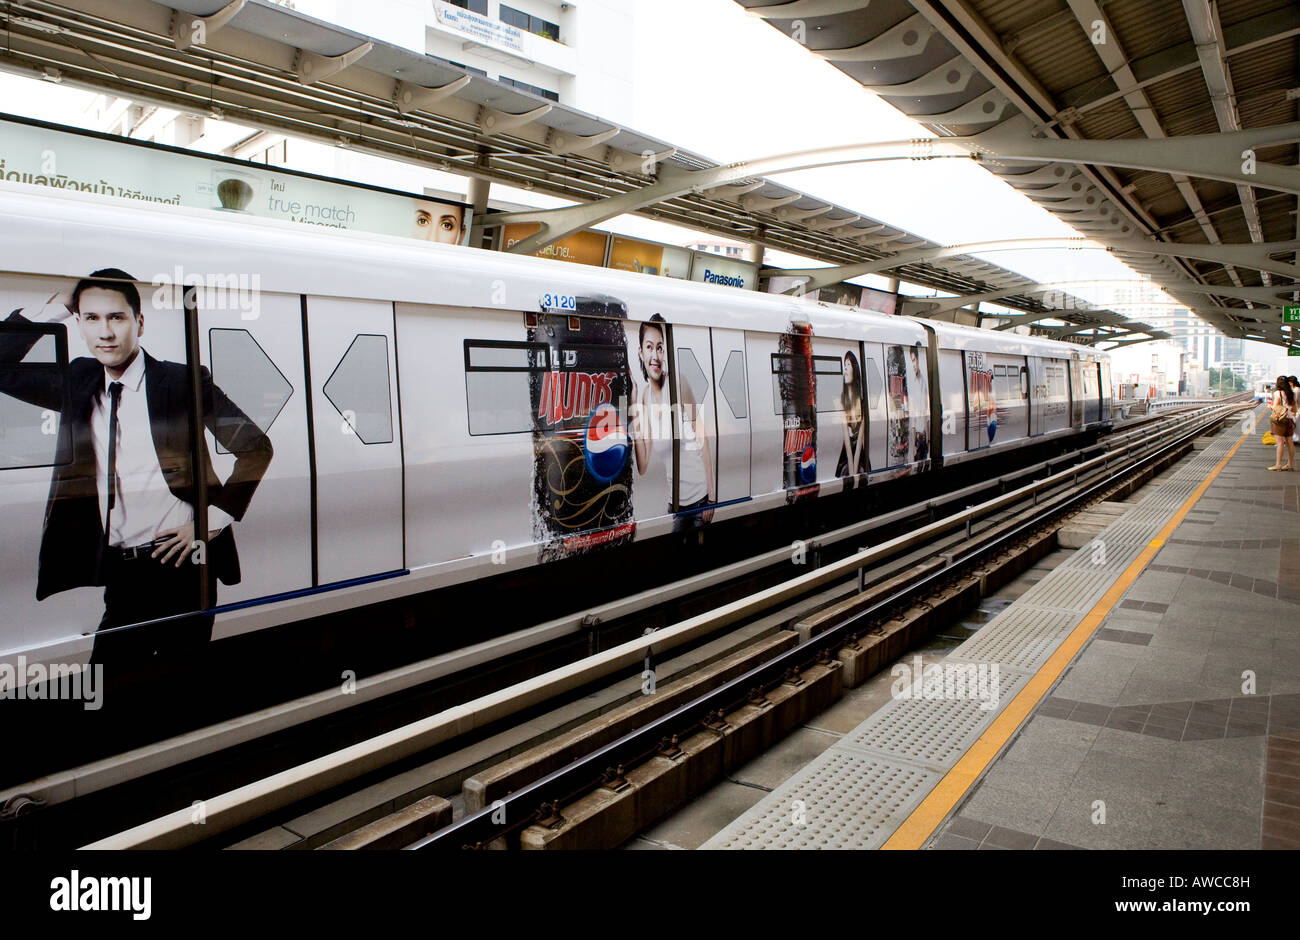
<point x="1106" y="70"/>
<point x="271" y="67"/>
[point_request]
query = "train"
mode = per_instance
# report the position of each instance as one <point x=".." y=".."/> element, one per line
<point x="386" y="419"/>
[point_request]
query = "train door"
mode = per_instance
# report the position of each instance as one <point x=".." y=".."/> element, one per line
<point x="1011" y="392"/>
<point x="357" y="438"/>
<point x="731" y="408"/>
<point x="1091" y="392"/>
<point x="841" y="418"/>
<point x="873" y="374"/>
<point x="1037" y="395"/>
<point x="981" y="401"/>
<point x="252" y="345"/>
<point x="766" y="431"/>
<point x="952" y="402"/>
<point x="1076" y="392"/>
<point x="697" y="443"/>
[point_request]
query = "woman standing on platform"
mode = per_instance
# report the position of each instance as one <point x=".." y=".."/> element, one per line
<point x="1282" y="408"/>
<point x="1295" y="412"/>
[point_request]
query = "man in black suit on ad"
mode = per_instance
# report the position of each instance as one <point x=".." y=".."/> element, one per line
<point x="121" y="507"/>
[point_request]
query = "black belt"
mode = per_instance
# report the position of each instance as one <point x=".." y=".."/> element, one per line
<point x="134" y="552"/>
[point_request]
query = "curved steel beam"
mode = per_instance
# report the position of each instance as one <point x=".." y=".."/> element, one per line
<point x="1251" y="255"/>
<point x="1224" y="156"/>
<point x="1263" y="295"/>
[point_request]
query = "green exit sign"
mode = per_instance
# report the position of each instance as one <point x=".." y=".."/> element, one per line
<point x="1291" y="313"/>
<point x="1293" y="351"/>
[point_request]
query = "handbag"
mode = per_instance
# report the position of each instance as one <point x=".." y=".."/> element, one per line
<point x="1279" y="412"/>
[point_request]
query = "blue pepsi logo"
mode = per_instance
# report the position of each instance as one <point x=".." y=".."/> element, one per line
<point x="606" y="445"/>
<point x="808" y="465"/>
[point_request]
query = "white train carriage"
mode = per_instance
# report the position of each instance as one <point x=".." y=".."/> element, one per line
<point x="441" y="414"/>
<point x="1005" y="390"/>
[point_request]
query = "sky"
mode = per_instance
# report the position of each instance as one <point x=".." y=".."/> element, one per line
<point x="724" y="84"/>
<point x="768" y="94"/>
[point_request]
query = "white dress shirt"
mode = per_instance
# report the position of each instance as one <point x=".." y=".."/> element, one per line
<point x="694" y="486"/>
<point x="144" y="507"/>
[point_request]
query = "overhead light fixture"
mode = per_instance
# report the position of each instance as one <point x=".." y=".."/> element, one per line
<point x="216" y="114"/>
<point x="51" y="74"/>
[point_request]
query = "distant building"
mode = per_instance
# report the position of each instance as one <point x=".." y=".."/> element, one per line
<point x="717" y="246"/>
<point x="559" y="51"/>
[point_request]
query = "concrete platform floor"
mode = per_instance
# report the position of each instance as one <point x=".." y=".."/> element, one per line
<point x="1178" y="724"/>
<point x="727" y="800"/>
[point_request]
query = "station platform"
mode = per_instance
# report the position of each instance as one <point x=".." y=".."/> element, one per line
<point x="1144" y="694"/>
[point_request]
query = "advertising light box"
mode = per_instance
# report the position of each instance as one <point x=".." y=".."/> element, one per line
<point x="630" y="254"/>
<point x="725" y="272"/>
<point x="108" y="166"/>
<point x="586" y="247"/>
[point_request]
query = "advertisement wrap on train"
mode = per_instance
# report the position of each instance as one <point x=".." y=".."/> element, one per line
<point x="215" y="417"/>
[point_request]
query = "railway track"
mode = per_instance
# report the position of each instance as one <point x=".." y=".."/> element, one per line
<point x="937" y="546"/>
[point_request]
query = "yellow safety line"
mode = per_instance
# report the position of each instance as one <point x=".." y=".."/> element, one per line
<point x="934" y="809"/>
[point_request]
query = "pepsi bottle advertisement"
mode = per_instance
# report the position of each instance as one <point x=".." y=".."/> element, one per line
<point x="798" y="385"/>
<point x="983" y="404"/>
<point x="582" y="469"/>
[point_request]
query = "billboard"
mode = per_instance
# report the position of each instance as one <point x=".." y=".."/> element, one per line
<point x="881" y="301"/>
<point x="714" y="269"/>
<point x="630" y="254"/>
<point x="478" y="28"/>
<point x="104" y="165"/>
<point x="586" y="247"/>
<point x="846" y="295"/>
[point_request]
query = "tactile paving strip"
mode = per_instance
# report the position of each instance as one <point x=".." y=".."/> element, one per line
<point x="1024" y="638"/>
<point x="844" y="800"/>
<point x="935" y="732"/>
<point x="1077" y="588"/>
<point x="858" y="791"/>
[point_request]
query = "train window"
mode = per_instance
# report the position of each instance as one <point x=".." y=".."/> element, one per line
<point x="358" y="388"/>
<point x="33" y="362"/>
<point x="500" y="356"/>
<point x="496" y="384"/>
<point x="690" y="375"/>
<point x="830" y="382"/>
<point x="239" y="362"/>
<point x="827" y="391"/>
<point x="874" y="385"/>
<point x="781" y="364"/>
<point x="1055" y="373"/>
<point x="732" y="384"/>
<point x="1007" y="383"/>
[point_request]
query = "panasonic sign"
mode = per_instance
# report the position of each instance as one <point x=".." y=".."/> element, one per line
<point x="727" y="280"/>
<point x="723" y="271"/>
